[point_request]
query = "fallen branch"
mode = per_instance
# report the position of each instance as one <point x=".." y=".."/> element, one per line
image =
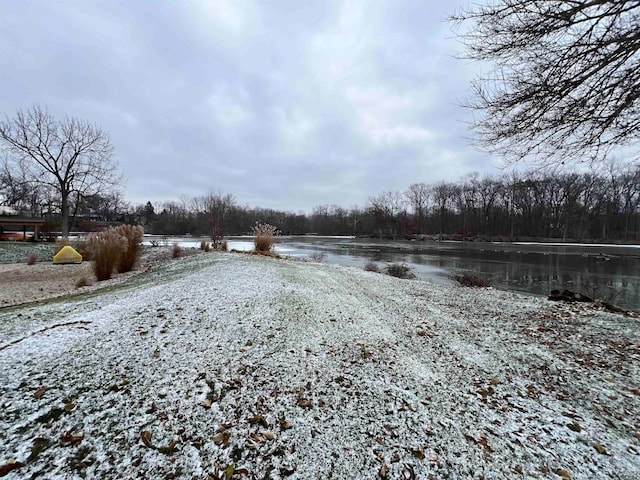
<point x="42" y="330"/>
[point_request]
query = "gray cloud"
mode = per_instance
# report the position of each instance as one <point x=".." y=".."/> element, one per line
<point x="284" y="104"/>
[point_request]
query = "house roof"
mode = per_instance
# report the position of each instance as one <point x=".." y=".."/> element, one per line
<point x="15" y="220"/>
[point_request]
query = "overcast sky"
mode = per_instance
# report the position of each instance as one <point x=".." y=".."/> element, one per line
<point x="284" y="104"/>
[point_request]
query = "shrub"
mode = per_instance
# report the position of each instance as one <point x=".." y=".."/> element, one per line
<point x="176" y="251"/>
<point x="133" y="235"/>
<point x="106" y="248"/>
<point x="371" y="267"/>
<point x="82" y="282"/>
<point x="223" y="246"/>
<point x="204" y="245"/>
<point x="263" y="234"/>
<point x="317" y="256"/>
<point x="399" y="270"/>
<point x="32" y="259"/>
<point x="468" y="280"/>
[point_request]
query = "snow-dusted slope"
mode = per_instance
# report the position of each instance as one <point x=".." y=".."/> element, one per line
<point x="269" y="369"/>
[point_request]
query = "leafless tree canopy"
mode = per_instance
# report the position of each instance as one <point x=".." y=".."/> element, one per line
<point x="72" y="156"/>
<point x="566" y="82"/>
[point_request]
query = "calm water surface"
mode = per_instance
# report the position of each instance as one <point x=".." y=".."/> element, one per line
<point x="606" y="271"/>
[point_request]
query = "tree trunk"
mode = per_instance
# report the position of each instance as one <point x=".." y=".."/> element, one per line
<point x="64" y="210"/>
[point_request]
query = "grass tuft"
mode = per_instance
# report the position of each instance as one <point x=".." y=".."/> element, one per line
<point x="176" y="251"/>
<point x="82" y="282"/>
<point x="33" y="258"/>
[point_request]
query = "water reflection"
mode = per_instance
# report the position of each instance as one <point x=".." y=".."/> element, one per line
<point x="608" y="272"/>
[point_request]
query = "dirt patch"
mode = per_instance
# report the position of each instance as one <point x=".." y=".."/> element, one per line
<point x="21" y="283"/>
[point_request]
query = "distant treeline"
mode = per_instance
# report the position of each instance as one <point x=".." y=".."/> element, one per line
<point x="562" y="206"/>
<point x="543" y="205"/>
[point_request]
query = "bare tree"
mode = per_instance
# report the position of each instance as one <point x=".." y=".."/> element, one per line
<point x="566" y="82"/>
<point x="418" y="196"/>
<point x="70" y="155"/>
<point x="216" y="206"/>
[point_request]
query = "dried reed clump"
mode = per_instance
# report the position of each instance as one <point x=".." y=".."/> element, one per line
<point x="176" y="251"/>
<point x="222" y="246"/>
<point x="130" y="256"/>
<point x="32" y="259"/>
<point x="205" y="246"/>
<point x="263" y="234"/>
<point x="468" y="280"/>
<point x="399" y="270"/>
<point x="107" y="248"/>
<point x="371" y="266"/>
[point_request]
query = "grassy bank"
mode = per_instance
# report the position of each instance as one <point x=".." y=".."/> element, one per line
<point x="241" y="365"/>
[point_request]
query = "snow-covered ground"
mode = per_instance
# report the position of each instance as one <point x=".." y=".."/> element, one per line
<point x="234" y="366"/>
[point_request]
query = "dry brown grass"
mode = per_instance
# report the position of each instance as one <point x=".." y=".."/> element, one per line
<point x="176" y="251"/>
<point x="107" y="248"/>
<point x="32" y="259"/>
<point x="130" y="256"/>
<point x="371" y="266"/>
<point x="263" y="234"/>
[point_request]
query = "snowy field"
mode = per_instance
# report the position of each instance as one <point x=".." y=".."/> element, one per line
<point x="234" y="366"/>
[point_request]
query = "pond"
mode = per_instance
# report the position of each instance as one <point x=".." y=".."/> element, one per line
<point x="609" y="272"/>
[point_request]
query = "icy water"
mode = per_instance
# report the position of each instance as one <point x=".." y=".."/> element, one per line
<point x="609" y="272"/>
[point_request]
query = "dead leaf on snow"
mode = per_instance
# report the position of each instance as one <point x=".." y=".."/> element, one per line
<point x="145" y="436"/>
<point x="222" y="438"/>
<point x="285" y="424"/>
<point x="267" y="435"/>
<point x="382" y="473"/>
<point x="418" y="453"/>
<point x="228" y="472"/>
<point x="68" y="407"/>
<point x="600" y="448"/>
<point x="258" y="419"/>
<point x="9" y="466"/>
<point x="286" y="471"/>
<point x="70" y="439"/>
<point x="206" y="403"/>
<point x="408" y="473"/>
<point x="575" y="426"/>
<point x="39" y="392"/>
<point x="563" y="473"/>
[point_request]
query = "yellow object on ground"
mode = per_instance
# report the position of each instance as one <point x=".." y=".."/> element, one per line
<point x="67" y="254"/>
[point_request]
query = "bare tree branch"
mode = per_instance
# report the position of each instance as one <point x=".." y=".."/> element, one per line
<point x="566" y="81"/>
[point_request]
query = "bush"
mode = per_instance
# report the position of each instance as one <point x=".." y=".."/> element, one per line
<point x="176" y="251"/>
<point x="106" y="249"/>
<point x="399" y="270"/>
<point x="130" y="256"/>
<point x="223" y="246"/>
<point x="205" y="246"/>
<point x="371" y="267"/>
<point x="317" y="256"/>
<point x="468" y="280"/>
<point x="263" y="234"/>
<point x="32" y="259"/>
